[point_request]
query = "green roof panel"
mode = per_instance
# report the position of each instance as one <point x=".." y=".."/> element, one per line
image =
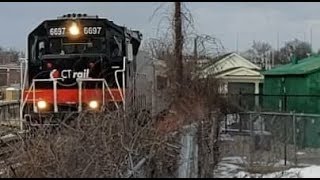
<point x="304" y="66"/>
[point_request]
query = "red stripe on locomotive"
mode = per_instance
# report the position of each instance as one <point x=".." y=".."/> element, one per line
<point x="71" y="95"/>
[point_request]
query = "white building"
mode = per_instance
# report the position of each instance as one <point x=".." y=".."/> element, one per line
<point x="236" y="73"/>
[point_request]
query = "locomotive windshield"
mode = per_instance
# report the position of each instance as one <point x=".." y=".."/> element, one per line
<point x="80" y="46"/>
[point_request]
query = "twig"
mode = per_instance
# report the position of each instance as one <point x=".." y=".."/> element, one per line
<point x="137" y="167"/>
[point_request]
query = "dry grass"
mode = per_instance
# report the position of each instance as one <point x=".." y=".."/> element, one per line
<point x="105" y="145"/>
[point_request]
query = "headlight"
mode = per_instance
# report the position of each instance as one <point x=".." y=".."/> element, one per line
<point x="93" y="104"/>
<point x="74" y="29"/>
<point x="42" y="104"/>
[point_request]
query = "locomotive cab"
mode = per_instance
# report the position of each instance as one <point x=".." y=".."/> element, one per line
<point x="78" y="63"/>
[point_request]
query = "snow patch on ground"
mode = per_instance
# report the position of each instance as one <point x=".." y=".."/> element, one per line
<point x="234" y="167"/>
<point x="282" y="162"/>
<point x="234" y="160"/>
<point x="226" y="137"/>
<point x="300" y="153"/>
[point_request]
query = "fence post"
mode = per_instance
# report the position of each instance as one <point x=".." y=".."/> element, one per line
<point x="252" y="139"/>
<point x="284" y="108"/>
<point x="4" y="113"/>
<point x="285" y="142"/>
<point x="226" y="123"/>
<point x="188" y="167"/>
<point x="1" y="113"/>
<point x="294" y="138"/>
<point x="240" y="123"/>
<point x="240" y="98"/>
<point x="261" y="123"/>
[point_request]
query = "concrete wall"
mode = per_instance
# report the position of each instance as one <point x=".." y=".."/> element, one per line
<point x="188" y="165"/>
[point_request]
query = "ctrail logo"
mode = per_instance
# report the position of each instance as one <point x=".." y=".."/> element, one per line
<point x="68" y="74"/>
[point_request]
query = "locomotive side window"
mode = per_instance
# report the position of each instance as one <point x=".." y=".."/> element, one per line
<point x="33" y="48"/>
<point x="116" y="48"/>
<point x="55" y="46"/>
<point x="38" y="49"/>
<point x="41" y="48"/>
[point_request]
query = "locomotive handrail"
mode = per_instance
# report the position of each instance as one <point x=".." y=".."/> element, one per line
<point x="23" y="76"/>
<point x="32" y="88"/>
<point x="54" y="80"/>
<point x="25" y="101"/>
<point x="80" y="80"/>
<point x="122" y="93"/>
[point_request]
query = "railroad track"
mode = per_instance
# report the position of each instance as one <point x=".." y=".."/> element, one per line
<point x="9" y="134"/>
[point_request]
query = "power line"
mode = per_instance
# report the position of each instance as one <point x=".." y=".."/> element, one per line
<point x="311" y="38"/>
<point x="237" y="43"/>
<point x="278" y="41"/>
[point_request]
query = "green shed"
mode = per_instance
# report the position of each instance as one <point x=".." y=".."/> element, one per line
<point x="296" y="87"/>
<point x="293" y="87"/>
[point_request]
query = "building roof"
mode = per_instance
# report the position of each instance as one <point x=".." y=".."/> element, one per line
<point x="226" y="62"/>
<point x="305" y="66"/>
<point x="216" y="59"/>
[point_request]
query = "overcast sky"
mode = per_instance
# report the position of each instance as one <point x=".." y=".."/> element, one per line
<point x="251" y="21"/>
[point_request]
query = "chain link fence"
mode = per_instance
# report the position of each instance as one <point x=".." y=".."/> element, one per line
<point x="274" y="102"/>
<point x="272" y="139"/>
<point x="272" y="132"/>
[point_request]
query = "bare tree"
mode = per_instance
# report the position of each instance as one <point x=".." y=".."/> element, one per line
<point x="178" y="45"/>
<point x="260" y="54"/>
<point x="300" y="49"/>
<point x="198" y="96"/>
<point x="9" y="56"/>
<point x="205" y="46"/>
<point x="158" y="48"/>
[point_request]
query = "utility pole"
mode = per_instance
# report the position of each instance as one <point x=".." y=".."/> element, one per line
<point x="178" y="44"/>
